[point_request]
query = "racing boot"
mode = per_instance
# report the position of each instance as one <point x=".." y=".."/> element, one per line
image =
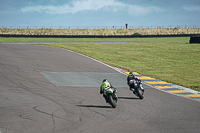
<point x="105" y="98"/>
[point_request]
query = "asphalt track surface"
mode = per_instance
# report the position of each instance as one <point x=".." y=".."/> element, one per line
<point x="41" y="92"/>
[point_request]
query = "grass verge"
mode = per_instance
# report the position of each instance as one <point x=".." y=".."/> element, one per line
<point x="170" y="59"/>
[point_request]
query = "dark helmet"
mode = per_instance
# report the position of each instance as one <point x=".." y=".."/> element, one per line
<point x="132" y="73"/>
<point x="104" y="80"/>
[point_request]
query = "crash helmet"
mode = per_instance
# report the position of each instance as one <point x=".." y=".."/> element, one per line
<point x="104" y="80"/>
<point x="132" y="73"/>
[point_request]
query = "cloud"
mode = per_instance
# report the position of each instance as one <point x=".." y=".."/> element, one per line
<point x="75" y="6"/>
<point x="137" y="10"/>
<point x="191" y="8"/>
<point x="91" y="5"/>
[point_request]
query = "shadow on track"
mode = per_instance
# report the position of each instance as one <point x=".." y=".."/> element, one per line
<point x="129" y="98"/>
<point x="93" y="106"/>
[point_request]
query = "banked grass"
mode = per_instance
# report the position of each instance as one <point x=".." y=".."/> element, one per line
<point x="171" y="59"/>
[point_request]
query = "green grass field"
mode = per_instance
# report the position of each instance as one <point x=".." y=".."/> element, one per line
<point x="171" y="59"/>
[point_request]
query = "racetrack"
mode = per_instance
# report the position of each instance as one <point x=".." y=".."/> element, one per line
<point x="46" y="89"/>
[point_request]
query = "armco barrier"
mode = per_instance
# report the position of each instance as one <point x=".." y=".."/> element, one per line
<point x="97" y="36"/>
<point x="195" y="39"/>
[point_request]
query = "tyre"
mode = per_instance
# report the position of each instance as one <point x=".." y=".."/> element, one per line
<point x="111" y="101"/>
<point x="139" y="93"/>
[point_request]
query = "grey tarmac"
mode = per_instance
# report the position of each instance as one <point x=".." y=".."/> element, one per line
<point x="44" y="89"/>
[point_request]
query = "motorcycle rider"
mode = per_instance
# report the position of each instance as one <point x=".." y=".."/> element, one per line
<point x="105" y="84"/>
<point x="131" y="79"/>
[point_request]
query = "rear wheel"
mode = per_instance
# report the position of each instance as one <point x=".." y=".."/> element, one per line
<point x="112" y="102"/>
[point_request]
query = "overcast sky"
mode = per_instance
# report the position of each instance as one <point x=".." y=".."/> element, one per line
<point x="93" y="13"/>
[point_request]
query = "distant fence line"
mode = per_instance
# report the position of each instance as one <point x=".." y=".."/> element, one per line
<point x="100" y="27"/>
<point x="100" y="36"/>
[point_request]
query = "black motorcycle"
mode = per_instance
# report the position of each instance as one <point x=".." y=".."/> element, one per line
<point x="138" y="90"/>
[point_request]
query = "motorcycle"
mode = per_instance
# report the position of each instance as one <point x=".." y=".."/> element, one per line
<point x="111" y="96"/>
<point x="138" y="90"/>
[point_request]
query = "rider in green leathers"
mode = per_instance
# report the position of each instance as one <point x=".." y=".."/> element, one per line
<point x="105" y="84"/>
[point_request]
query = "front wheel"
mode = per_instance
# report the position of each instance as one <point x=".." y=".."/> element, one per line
<point x="111" y="101"/>
<point x="139" y="92"/>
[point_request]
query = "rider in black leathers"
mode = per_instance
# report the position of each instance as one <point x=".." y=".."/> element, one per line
<point x="132" y="77"/>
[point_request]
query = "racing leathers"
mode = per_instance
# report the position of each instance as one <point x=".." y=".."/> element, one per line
<point x="105" y="84"/>
<point x="131" y="81"/>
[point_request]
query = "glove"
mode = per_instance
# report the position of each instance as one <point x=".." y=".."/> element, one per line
<point x="139" y="81"/>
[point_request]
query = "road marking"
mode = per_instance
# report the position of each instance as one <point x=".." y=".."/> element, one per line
<point x="156" y="82"/>
<point x="191" y="95"/>
<point x="134" y="72"/>
<point x="163" y="87"/>
<point x="177" y="91"/>
<point x="149" y="78"/>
